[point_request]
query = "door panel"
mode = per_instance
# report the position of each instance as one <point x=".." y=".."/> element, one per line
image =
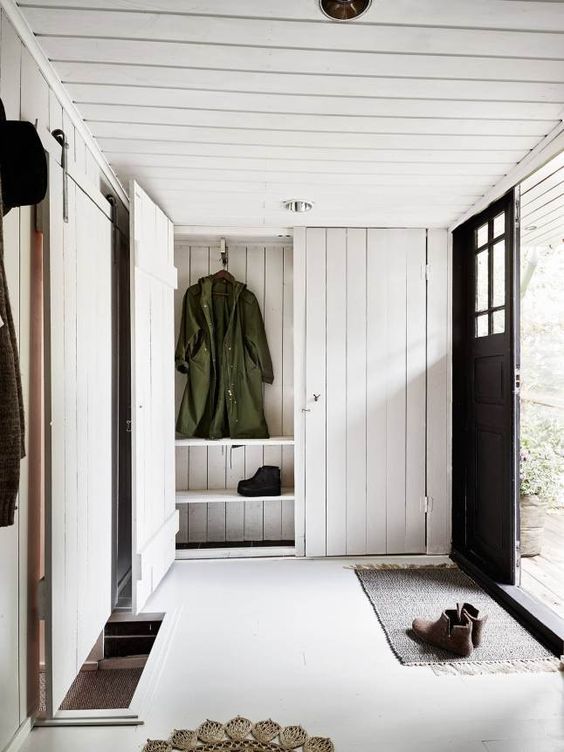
<point x="79" y="437"/>
<point x="315" y="353"/>
<point x="365" y="394"/>
<point x="153" y="281"/>
<point x="484" y="457"/>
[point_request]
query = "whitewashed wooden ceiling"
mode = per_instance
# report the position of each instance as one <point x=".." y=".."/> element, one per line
<point x="222" y="109"/>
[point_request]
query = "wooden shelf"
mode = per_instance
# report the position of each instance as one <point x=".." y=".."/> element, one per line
<point x="273" y="441"/>
<point x="227" y="496"/>
<point x="262" y="552"/>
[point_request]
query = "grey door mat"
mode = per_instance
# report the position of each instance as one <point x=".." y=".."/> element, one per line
<point x="398" y="595"/>
<point x="106" y="689"/>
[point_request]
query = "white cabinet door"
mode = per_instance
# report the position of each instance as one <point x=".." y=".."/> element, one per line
<point x="78" y="274"/>
<point x="153" y="281"/>
<point x="364" y="397"/>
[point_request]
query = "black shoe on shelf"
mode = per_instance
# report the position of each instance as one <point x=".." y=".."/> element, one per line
<point x="265" y="482"/>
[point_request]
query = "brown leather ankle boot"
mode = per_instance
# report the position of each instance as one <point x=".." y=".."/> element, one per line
<point x="477" y="622"/>
<point x="452" y="631"/>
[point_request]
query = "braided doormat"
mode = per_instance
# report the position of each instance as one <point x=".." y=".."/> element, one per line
<point x="399" y="594"/>
<point x="241" y="735"/>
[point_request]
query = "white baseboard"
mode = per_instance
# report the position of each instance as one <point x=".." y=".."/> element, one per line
<point x="19" y="737"/>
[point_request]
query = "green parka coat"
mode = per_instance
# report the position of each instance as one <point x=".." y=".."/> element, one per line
<point x="222" y="348"/>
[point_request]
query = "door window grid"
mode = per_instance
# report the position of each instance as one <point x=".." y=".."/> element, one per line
<point x="489" y="277"/>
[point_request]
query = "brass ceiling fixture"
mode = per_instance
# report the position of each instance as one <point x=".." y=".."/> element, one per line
<point x="344" y="10"/>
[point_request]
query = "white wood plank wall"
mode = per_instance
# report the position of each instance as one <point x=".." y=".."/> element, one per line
<point x="82" y="258"/>
<point x="153" y="283"/>
<point x="370" y="441"/>
<point x="268" y="271"/>
<point x="80" y="265"/>
<point x="13" y="540"/>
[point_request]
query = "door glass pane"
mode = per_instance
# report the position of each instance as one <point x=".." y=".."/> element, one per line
<point x="499" y="274"/>
<point x="482" y="325"/>
<point x="482" y="235"/>
<point x="481" y="281"/>
<point x="499" y="225"/>
<point x="498" y="322"/>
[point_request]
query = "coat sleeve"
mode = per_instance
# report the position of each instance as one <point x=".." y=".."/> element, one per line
<point x="189" y="330"/>
<point x="255" y="336"/>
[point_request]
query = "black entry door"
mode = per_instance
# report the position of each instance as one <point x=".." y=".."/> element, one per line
<point x="485" y="384"/>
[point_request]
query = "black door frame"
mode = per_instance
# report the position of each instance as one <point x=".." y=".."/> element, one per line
<point x="534" y="615"/>
<point x="480" y="406"/>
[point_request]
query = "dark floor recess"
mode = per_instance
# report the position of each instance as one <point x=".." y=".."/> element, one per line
<point x="110" y="683"/>
<point x="99" y="690"/>
<point x="102" y="690"/>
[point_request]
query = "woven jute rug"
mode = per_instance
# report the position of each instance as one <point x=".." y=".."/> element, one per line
<point x="399" y="594"/>
<point x="241" y="735"/>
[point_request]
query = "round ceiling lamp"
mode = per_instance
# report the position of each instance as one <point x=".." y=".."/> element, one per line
<point x="344" y="10"/>
<point x="298" y="205"/>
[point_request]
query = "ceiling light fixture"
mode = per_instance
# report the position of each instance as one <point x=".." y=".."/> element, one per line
<point x="298" y="205"/>
<point x="344" y="10"/>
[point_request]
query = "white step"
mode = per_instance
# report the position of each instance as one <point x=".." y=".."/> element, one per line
<point x="227" y="495"/>
<point x="272" y="441"/>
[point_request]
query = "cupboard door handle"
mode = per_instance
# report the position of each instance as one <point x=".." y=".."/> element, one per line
<point x="316" y="397"/>
<point x="305" y="410"/>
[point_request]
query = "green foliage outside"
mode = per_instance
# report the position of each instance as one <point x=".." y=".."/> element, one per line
<point x="542" y="374"/>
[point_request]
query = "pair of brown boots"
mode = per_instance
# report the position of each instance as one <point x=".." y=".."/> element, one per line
<point x="457" y="630"/>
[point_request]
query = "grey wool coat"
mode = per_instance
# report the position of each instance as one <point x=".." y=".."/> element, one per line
<point x="11" y="403"/>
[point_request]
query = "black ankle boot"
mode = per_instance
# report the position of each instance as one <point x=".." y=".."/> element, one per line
<point x="265" y="482"/>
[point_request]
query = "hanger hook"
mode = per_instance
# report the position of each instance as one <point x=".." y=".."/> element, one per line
<point x="224" y="253"/>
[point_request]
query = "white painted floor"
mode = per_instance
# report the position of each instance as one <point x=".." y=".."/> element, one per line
<point x="298" y="641"/>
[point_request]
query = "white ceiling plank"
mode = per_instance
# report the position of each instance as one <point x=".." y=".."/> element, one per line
<point x="544" y="199"/>
<point x="458" y="160"/>
<point x="331" y="124"/>
<point x="547" y="16"/>
<point x="174" y="134"/>
<point x="223" y="205"/>
<point x="306" y="112"/>
<point x="326" y="72"/>
<point x="413" y="116"/>
<point x="187" y="211"/>
<point x="410" y="108"/>
<point x="542" y="188"/>
<point x="184" y="214"/>
<point x="272" y="66"/>
<point x="218" y="157"/>
<point x="544" y="172"/>
<point x="545" y="217"/>
<point x="318" y="94"/>
<point x="461" y="174"/>
<point x="295" y="35"/>
<point x="287" y="184"/>
<point x="172" y="121"/>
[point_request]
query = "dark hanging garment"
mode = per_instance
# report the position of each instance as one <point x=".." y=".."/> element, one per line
<point x="11" y="403"/>
<point x="23" y="164"/>
<point x="223" y="351"/>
